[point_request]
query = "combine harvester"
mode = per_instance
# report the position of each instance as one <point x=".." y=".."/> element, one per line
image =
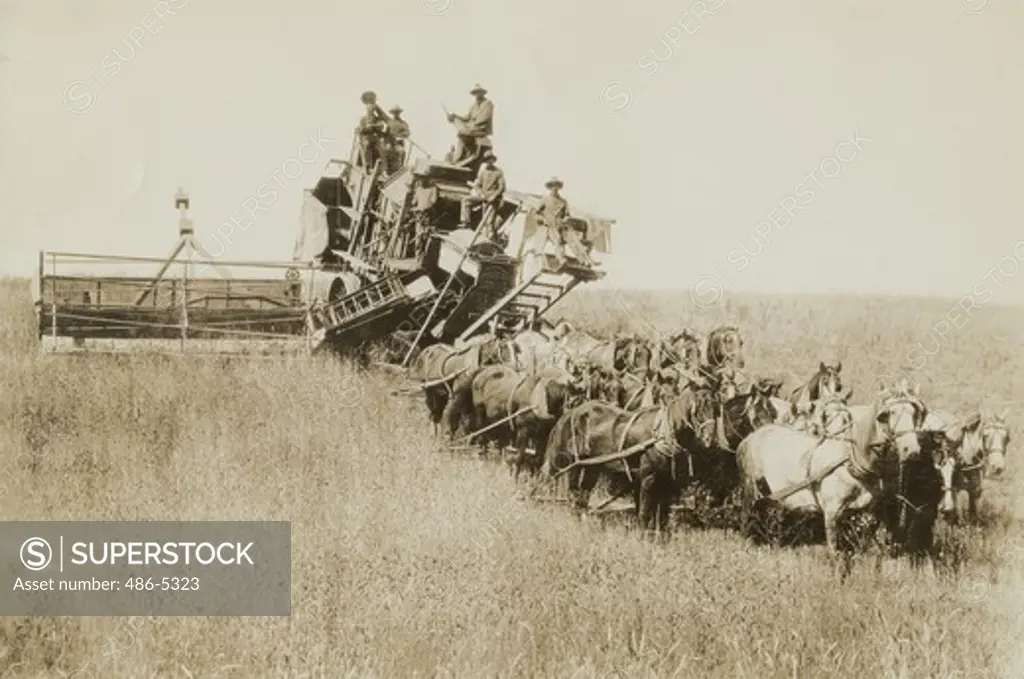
<point x="358" y="278"/>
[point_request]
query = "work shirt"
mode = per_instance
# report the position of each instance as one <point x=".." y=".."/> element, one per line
<point x="371" y="125"/>
<point x="554" y="211"/>
<point x="480" y="119"/>
<point x="399" y="129"/>
<point x="490" y="183"/>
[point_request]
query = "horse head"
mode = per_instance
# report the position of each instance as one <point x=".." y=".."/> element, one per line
<point x="995" y="440"/>
<point x="683" y="348"/>
<point x="693" y="415"/>
<point x="744" y="413"/>
<point x="632" y="354"/>
<point x="833" y="418"/>
<point x="827" y="381"/>
<point x="725" y="345"/>
<point x="983" y="442"/>
<point x="898" y="419"/>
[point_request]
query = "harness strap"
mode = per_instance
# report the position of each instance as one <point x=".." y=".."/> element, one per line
<point x="639" y="392"/>
<point x="622" y="439"/>
<point x="511" y="398"/>
<point x="807" y="483"/>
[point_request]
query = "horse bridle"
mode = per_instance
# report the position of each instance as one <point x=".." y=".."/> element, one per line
<point x="748" y="410"/>
<point x="844" y="412"/>
<point x="919" y="413"/>
<point x="830" y="377"/>
<point x="984" y="433"/>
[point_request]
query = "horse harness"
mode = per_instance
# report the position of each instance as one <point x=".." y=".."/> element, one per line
<point x="983" y="449"/>
<point x="859" y="470"/>
<point x="663" y="442"/>
<point x="512" y="397"/>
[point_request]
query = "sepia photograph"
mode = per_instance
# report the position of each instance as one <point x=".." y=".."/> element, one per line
<point x="452" y="339"/>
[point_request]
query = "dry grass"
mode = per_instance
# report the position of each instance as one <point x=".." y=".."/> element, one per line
<point x="408" y="562"/>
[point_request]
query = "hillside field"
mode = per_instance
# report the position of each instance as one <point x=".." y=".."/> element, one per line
<point x="409" y="562"/>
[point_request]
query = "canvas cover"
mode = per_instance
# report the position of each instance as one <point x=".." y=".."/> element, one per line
<point x="313" y="234"/>
<point x="599" y="229"/>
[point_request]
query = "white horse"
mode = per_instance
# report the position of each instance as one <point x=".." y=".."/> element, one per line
<point x="975" y="446"/>
<point x="803" y="472"/>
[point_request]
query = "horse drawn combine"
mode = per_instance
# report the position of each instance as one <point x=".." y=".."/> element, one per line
<point x="368" y="270"/>
<point x="385" y="262"/>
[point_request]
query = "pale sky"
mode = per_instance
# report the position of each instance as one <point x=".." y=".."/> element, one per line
<point x="689" y="153"/>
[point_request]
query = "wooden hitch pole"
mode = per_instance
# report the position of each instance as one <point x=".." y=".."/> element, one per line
<point x="498" y="423"/>
<point x="447" y="284"/>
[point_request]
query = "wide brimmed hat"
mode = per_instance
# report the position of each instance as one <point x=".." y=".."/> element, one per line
<point x="489" y="155"/>
<point x="395" y="109"/>
<point x="368" y="97"/>
<point x="554" y="181"/>
<point x="478" y="88"/>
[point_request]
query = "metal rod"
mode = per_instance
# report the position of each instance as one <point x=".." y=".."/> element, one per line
<point x="129" y="258"/>
<point x="444" y="290"/>
<point x="53" y="304"/>
<point x="186" y="240"/>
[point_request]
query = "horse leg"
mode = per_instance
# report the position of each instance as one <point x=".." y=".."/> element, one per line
<point x="476" y="423"/>
<point x="520" y="455"/>
<point x="665" y="511"/>
<point x="973" y="495"/>
<point x="648" y="497"/>
<point x="972" y="506"/>
<point x="581" y="483"/>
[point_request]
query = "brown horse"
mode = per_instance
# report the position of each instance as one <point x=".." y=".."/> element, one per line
<point x="625" y="353"/>
<point x="744" y="413"/>
<point x="643" y="453"/>
<point x="683" y="348"/>
<point x="725" y="346"/>
<point x="825" y="383"/>
<point x="443" y="370"/>
<point x="428" y="368"/>
<point x="539" y="399"/>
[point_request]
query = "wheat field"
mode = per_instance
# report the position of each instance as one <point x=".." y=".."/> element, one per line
<point x="409" y="562"/>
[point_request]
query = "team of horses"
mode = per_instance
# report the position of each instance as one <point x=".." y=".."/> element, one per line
<point x="648" y="420"/>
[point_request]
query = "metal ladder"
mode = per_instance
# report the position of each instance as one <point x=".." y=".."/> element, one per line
<point x="355" y="305"/>
<point x="525" y="303"/>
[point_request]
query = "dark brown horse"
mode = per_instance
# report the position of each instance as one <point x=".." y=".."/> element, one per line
<point x="439" y="367"/>
<point x="725" y="346"/>
<point x="825" y="383"/>
<point x="644" y="453"/>
<point x="539" y="399"/>
<point x="683" y="348"/>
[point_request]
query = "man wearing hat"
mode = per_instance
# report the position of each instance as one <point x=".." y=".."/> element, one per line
<point x="554" y="214"/>
<point x="394" y="140"/>
<point x="372" y="128"/>
<point x="487" y="192"/>
<point x="474" y="129"/>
